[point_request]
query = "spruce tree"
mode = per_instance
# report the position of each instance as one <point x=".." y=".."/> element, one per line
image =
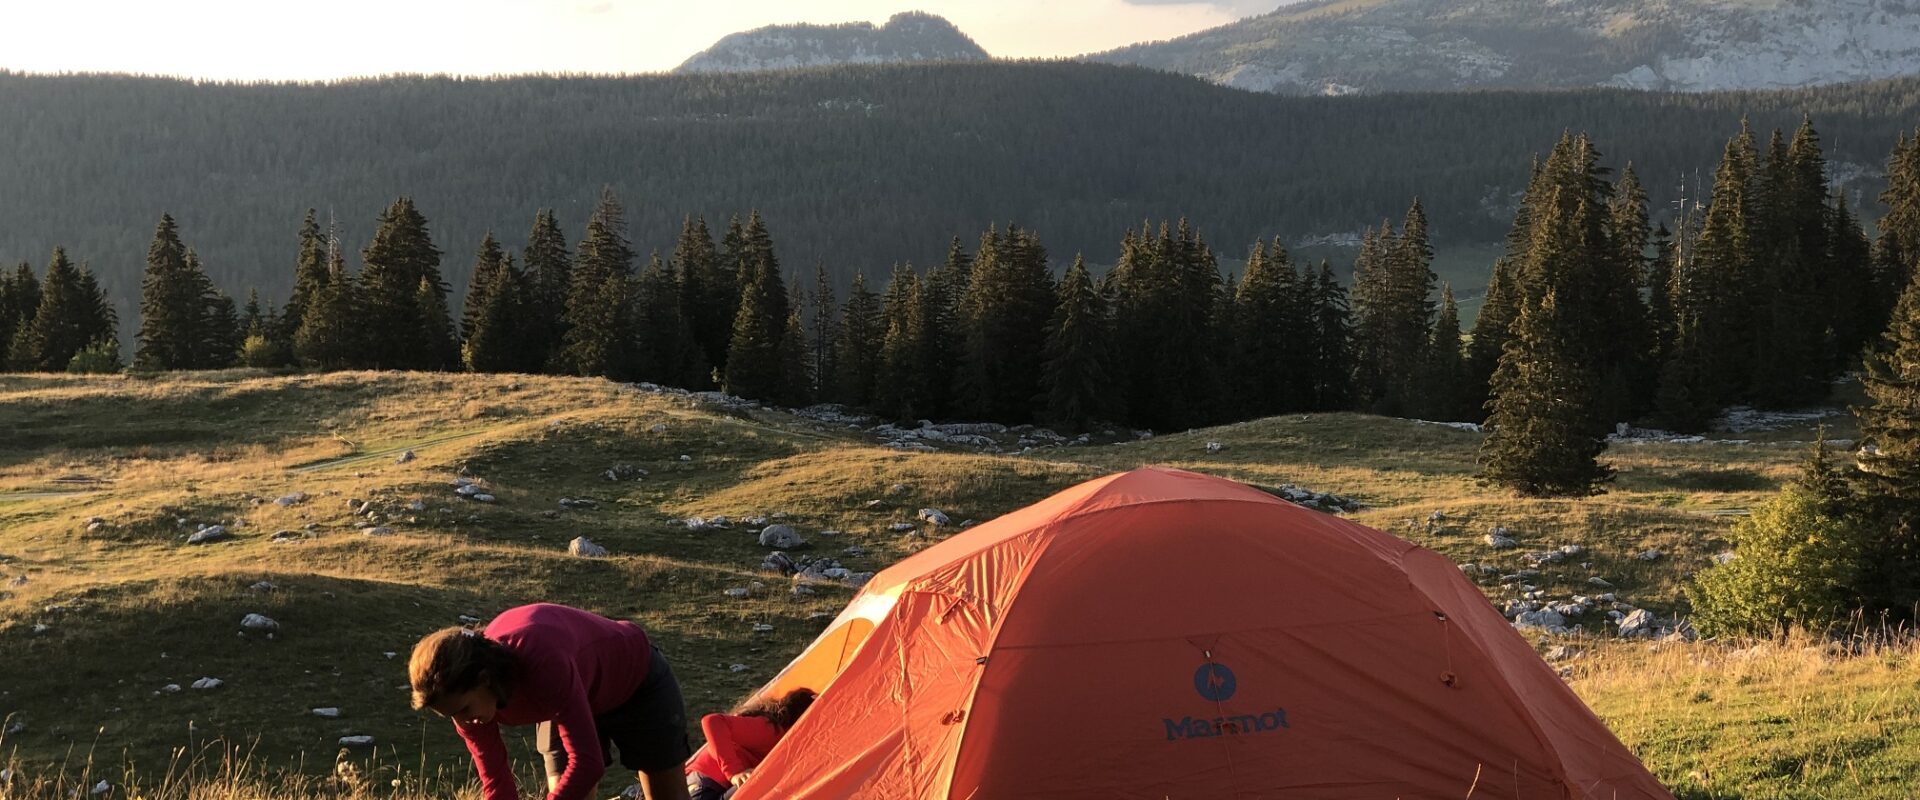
<point x="1393" y="310"/>
<point x="1796" y="357"/>
<point x="668" y="353"/>
<point x="899" y="388"/>
<point x="1896" y="251"/>
<point x="331" y="336"/>
<point x="599" y="319"/>
<point x="549" y="279"/>
<point x="1003" y="316"/>
<point x="19" y="299"/>
<point x="309" y="274"/>
<point x="858" y="340"/>
<point x="1540" y="440"/>
<point x="1442" y="391"/>
<point x="753" y="353"/>
<point x="487" y="263"/>
<point x="943" y="343"/>
<point x="820" y="335"/>
<point x="72" y="314"/>
<point x="710" y="292"/>
<point x="500" y="332"/>
<point x="173" y="302"/>
<point x="1077" y="377"/>
<point x="1492" y="329"/>
<point x="1660" y="311"/>
<point x="796" y="376"/>
<point x="1850" y="257"/>
<point x="1715" y="294"/>
<point x="1332" y="327"/>
<point x="1625" y="355"/>
<point x="1266" y="335"/>
<point x="1888" y="479"/>
<point x="406" y="328"/>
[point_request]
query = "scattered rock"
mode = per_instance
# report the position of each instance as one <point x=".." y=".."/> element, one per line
<point x="624" y="472"/>
<point x="901" y="527"/>
<point x="578" y="503"/>
<point x="737" y="668"/>
<point x="658" y="427"/>
<point x="207" y="683"/>
<point x="1638" y="623"/>
<point x="897" y="489"/>
<point x="1725" y="558"/>
<point x="1650" y="555"/>
<point x="778" y="563"/>
<point x="1215" y="447"/>
<point x="329" y="712"/>
<point x="702" y="524"/>
<point x="803" y="590"/>
<point x="857" y="579"/>
<point x="585" y="548"/>
<point x="1561" y="652"/>
<point x="762" y="628"/>
<point x="356" y="741"/>
<point x="739" y="592"/>
<point x="286" y="536"/>
<point x="290" y="500"/>
<point x="934" y="516"/>
<point x="1600" y="582"/>
<point x="1544" y="619"/>
<point x="468" y="490"/>
<point x="171" y="688"/>
<point x="417" y="506"/>
<point x="100" y="788"/>
<point x="258" y="622"/>
<point x="404" y="457"/>
<point x="1499" y="540"/>
<point x="482" y="498"/>
<point x="211" y="533"/>
<point x="781" y="537"/>
<point x="686" y="458"/>
<point x="16" y="727"/>
<point x="377" y="530"/>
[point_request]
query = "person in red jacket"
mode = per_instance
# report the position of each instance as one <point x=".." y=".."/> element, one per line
<point x="592" y="685"/>
<point x="738" y="742"/>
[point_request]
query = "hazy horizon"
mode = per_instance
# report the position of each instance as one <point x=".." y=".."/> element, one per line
<point x="233" y="40"/>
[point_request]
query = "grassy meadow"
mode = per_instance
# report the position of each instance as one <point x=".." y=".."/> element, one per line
<point x="111" y="614"/>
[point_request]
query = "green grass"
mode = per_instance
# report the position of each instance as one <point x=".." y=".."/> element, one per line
<point x="131" y="608"/>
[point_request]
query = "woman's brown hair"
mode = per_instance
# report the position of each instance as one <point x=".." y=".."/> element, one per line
<point x="782" y="711"/>
<point x="451" y="661"/>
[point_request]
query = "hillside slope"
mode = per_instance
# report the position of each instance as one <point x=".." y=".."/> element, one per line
<point x="155" y="459"/>
<point x="1343" y="46"/>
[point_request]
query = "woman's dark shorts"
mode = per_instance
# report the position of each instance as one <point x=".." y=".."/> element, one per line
<point x="649" y="730"/>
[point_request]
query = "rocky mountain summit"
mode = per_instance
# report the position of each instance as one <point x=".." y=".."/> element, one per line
<point x="906" y="37"/>
<point x="1347" y="46"/>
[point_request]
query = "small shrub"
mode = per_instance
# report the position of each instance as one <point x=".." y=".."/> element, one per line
<point x="100" y="358"/>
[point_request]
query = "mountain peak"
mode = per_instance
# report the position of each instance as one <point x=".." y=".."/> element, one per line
<point x="1343" y="46"/>
<point x="906" y="36"/>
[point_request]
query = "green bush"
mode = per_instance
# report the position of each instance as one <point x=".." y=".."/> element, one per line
<point x="100" y="358"/>
<point x="264" y="353"/>
<point x="1797" y="565"/>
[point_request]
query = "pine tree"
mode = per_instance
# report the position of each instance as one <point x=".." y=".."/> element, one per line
<point x="1631" y="376"/>
<point x="753" y="353"/>
<point x="1850" y="257"/>
<point x="330" y="335"/>
<point x="668" y="353"/>
<point x="1888" y="480"/>
<point x="1077" y="378"/>
<point x="71" y="315"/>
<point x="549" y="279"/>
<point x="224" y="335"/>
<point x="1393" y="309"/>
<point x="857" y="343"/>
<point x="1896" y="252"/>
<point x="796" y="377"/>
<point x="309" y="274"/>
<point x="1270" y="336"/>
<point x="1714" y="294"/>
<point x="599" y="319"/>
<point x="710" y="292"/>
<point x="1332" y="328"/>
<point x="1540" y="439"/>
<point x="943" y="344"/>
<point x="1660" y="311"/>
<point x="1796" y="356"/>
<point x="406" y="328"/>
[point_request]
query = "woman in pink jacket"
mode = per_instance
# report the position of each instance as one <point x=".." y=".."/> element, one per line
<point x="592" y="686"/>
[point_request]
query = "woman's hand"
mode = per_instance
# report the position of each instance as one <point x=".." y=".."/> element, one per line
<point x="741" y="778"/>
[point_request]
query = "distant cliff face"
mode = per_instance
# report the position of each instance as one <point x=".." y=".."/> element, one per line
<point x="905" y="37"/>
<point x="1344" y="46"/>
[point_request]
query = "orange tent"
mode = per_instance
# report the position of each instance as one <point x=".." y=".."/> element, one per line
<point x="1168" y="635"/>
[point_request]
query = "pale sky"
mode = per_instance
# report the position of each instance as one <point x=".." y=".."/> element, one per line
<point x="326" y="39"/>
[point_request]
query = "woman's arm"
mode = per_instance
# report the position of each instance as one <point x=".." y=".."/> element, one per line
<point x="580" y="738"/>
<point x="490" y="757"/>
